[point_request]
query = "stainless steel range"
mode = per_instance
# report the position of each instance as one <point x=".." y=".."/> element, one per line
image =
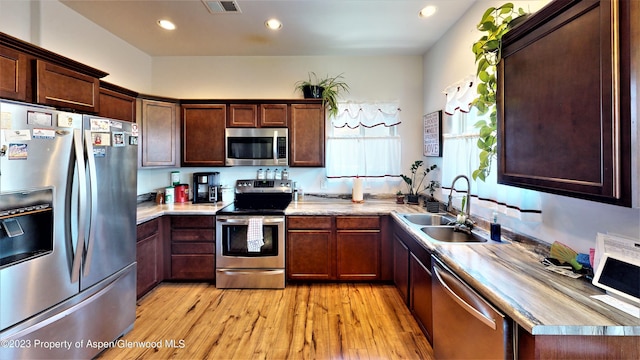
<point x="250" y="236"/>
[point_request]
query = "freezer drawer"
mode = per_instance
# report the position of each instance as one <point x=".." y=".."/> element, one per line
<point x="80" y="327"/>
<point x="465" y="326"/>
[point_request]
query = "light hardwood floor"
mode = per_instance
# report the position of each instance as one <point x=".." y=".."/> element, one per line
<point x="316" y="321"/>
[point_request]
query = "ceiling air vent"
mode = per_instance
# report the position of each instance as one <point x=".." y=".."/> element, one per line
<point x="217" y="7"/>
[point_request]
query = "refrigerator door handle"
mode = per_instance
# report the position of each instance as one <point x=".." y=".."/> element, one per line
<point x="82" y="200"/>
<point x="93" y="189"/>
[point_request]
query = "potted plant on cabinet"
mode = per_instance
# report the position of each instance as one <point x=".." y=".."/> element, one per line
<point x="431" y="203"/>
<point x="495" y="23"/>
<point x="326" y="89"/>
<point x="415" y="180"/>
<point x="399" y="197"/>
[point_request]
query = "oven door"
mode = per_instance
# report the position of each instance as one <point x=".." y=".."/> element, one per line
<point x="232" y="243"/>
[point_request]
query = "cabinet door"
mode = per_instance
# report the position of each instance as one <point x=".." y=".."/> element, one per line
<point x="401" y="267"/>
<point x="273" y="115"/>
<point x="559" y="127"/>
<point x="147" y="256"/>
<point x="243" y="115"/>
<point x="309" y="255"/>
<point x="307" y="135"/>
<point x="13" y="74"/>
<point x="159" y="141"/>
<point x="358" y="253"/>
<point x="203" y="129"/>
<point x="115" y="105"/>
<point x="59" y="86"/>
<point x="420" y="295"/>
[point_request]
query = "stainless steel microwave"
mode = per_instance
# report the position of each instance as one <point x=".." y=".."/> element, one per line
<point x="257" y="146"/>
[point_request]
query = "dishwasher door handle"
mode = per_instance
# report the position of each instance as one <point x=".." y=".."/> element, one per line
<point x="469" y="308"/>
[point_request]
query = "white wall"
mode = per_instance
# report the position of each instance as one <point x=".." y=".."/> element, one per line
<point x="370" y="78"/>
<point x="55" y="27"/>
<point x="572" y="221"/>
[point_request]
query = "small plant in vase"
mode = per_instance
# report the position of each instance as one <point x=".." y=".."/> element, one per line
<point x="431" y="203"/>
<point x="415" y="180"/>
<point x="399" y="197"/>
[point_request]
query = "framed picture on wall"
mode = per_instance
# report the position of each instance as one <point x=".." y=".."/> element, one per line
<point x="433" y="134"/>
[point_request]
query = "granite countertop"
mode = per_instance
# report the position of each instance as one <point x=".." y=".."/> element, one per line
<point x="509" y="274"/>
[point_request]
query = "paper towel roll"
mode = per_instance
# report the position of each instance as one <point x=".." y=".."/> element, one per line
<point x="356" y="192"/>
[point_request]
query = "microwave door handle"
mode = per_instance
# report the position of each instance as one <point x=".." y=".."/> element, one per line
<point x="275" y="146"/>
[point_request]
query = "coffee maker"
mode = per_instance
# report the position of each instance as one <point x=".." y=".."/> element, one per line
<point x="206" y="187"/>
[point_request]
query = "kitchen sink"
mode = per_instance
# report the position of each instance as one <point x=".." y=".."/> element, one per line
<point x="428" y="219"/>
<point x="447" y="234"/>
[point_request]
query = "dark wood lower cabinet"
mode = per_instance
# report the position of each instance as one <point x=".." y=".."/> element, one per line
<point x="149" y="256"/>
<point x="336" y="248"/>
<point x="568" y="347"/>
<point x="309" y="255"/>
<point x="193" y="247"/>
<point x="401" y="267"/>
<point x="420" y="294"/>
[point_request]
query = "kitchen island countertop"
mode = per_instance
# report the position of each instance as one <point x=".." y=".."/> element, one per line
<point x="509" y="275"/>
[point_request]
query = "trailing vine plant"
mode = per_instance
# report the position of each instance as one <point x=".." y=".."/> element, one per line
<point x="494" y="24"/>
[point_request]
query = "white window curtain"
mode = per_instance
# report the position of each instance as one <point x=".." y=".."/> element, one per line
<point x="352" y="115"/>
<point x="460" y="95"/>
<point x="371" y="151"/>
<point x="460" y="156"/>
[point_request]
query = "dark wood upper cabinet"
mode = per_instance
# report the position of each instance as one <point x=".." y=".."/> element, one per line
<point x="243" y="115"/>
<point x="273" y="115"/>
<point x="13" y="74"/>
<point x="160" y="139"/>
<point x="203" y="127"/>
<point x="61" y="87"/>
<point x="307" y="135"/>
<point x="564" y="101"/>
<point x="117" y="103"/>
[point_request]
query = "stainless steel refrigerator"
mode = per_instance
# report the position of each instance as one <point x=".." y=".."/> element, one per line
<point x="67" y="232"/>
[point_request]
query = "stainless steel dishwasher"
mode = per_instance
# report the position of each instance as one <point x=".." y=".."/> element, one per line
<point x="465" y="326"/>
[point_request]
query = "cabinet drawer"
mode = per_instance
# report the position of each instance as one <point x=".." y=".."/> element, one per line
<point x="309" y="222"/>
<point x="192" y="267"/>
<point x="358" y="222"/>
<point x="192" y="222"/>
<point x="193" y="248"/>
<point x="147" y="229"/>
<point x="193" y="235"/>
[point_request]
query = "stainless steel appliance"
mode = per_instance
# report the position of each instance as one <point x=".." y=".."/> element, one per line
<point x="465" y="326"/>
<point x="206" y="187"/>
<point x="68" y="275"/>
<point x="256" y="214"/>
<point x="257" y="146"/>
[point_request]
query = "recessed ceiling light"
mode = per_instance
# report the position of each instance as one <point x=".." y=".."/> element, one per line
<point x="166" y="24"/>
<point x="273" y="24"/>
<point x="428" y="11"/>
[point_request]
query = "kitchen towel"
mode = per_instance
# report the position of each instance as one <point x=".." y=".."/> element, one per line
<point x="254" y="234"/>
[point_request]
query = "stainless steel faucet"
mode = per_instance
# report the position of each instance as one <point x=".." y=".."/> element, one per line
<point x="453" y="184"/>
<point x="467" y="224"/>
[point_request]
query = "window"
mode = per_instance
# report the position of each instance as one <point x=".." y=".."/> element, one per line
<point x="363" y="141"/>
<point x="460" y="156"/>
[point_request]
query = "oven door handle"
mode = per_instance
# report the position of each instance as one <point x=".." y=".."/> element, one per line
<point x="246" y="221"/>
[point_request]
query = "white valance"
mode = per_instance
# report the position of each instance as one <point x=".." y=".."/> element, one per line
<point x="460" y="95"/>
<point x="352" y="114"/>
